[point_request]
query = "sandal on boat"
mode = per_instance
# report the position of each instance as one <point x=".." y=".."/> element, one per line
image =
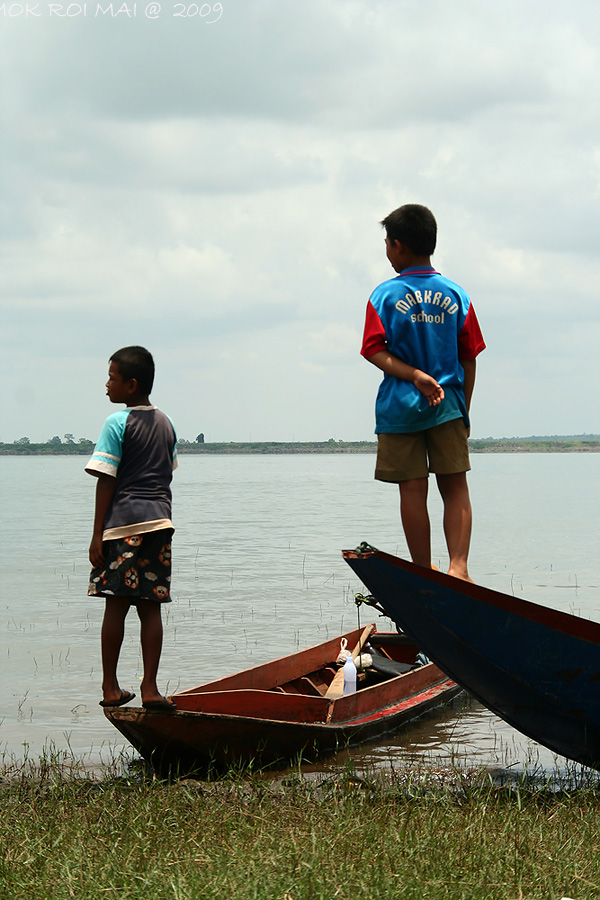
<point x="125" y="697"/>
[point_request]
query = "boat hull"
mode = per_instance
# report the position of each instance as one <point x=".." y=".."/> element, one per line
<point x="536" y="668"/>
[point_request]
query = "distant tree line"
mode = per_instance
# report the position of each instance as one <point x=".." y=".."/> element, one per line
<point x="54" y="445"/>
<point x="589" y="443"/>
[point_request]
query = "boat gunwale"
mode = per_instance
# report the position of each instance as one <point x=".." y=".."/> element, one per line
<point x="136" y="714"/>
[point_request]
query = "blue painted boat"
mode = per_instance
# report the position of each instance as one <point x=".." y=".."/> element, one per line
<point x="536" y="668"/>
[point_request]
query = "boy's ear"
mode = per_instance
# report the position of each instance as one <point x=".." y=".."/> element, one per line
<point x="132" y="386"/>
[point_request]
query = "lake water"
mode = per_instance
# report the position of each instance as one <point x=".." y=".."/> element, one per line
<point x="258" y="573"/>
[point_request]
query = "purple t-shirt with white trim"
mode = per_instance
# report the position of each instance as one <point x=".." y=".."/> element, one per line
<point x="137" y="446"/>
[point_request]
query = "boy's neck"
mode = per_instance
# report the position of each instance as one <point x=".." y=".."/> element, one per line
<point x="139" y="400"/>
<point x="419" y="262"/>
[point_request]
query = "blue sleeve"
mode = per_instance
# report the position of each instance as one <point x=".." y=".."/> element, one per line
<point x="107" y="453"/>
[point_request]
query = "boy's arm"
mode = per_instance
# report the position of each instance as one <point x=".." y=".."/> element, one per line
<point x="105" y="488"/>
<point x="393" y="365"/>
<point x="469" y="366"/>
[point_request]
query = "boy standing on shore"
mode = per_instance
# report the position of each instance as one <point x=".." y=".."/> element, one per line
<point x="422" y="332"/>
<point x="130" y="549"/>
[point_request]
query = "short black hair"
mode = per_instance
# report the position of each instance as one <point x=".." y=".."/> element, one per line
<point x="413" y="225"/>
<point x="135" y="362"/>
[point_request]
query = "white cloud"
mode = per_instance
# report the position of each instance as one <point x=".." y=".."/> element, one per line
<point x="214" y="191"/>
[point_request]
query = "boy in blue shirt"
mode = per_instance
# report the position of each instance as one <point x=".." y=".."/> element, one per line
<point x="422" y="332"/>
<point x="130" y="549"/>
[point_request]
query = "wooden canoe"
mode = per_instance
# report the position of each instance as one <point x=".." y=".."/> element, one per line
<point x="536" y="668"/>
<point x="278" y="713"/>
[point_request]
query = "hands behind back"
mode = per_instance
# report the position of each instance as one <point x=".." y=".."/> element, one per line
<point x="429" y="387"/>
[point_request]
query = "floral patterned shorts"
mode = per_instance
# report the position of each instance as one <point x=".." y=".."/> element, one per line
<point x="137" y="567"/>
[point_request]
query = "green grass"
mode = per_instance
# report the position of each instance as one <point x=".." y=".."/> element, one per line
<point x="411" y="835"/>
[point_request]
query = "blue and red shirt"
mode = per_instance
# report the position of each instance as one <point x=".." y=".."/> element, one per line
<point x="428" y="322"/>
<point x="137" y="446"/>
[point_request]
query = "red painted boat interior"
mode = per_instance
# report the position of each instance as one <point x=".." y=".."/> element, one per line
<point x="293" y="688"/>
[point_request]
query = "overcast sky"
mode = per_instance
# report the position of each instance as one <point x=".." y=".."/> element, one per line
<point x="210" y="186"/>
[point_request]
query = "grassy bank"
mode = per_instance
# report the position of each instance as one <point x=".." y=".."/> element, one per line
<point x="410" y="836"/>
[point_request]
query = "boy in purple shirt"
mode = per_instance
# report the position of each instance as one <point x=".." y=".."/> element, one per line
<point x="130" y="549"/>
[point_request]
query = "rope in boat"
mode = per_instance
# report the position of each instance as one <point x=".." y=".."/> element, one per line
<point x="368" y="600"/>
<point x="358" y="622"/>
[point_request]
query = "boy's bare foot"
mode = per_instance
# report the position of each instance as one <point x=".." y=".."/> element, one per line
<point x="460" y="573"/>
<point x="164" y="704"/>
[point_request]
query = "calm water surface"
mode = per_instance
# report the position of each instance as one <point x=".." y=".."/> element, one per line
<point x="258" y="573"/>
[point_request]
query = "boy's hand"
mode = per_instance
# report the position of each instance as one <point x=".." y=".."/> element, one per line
<point x="96" y="554"/>
<point x="428" y="387"/>
<point x="392" y="365"/>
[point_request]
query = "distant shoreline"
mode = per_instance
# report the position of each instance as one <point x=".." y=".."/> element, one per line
<point x="554" y="444"/>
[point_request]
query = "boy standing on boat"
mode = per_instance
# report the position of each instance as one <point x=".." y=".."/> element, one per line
<point x="130" y="549"/>
<point x="422" y="332"/>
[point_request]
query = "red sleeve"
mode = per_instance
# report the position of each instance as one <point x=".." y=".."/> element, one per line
<point x="374" y="338"/>
<point x="470" y="340"/>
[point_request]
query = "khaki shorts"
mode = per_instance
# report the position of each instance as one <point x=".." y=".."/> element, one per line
<point x="442" y="450"/>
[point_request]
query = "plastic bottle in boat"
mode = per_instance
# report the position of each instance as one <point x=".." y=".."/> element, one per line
<point x="349" y="676"/>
